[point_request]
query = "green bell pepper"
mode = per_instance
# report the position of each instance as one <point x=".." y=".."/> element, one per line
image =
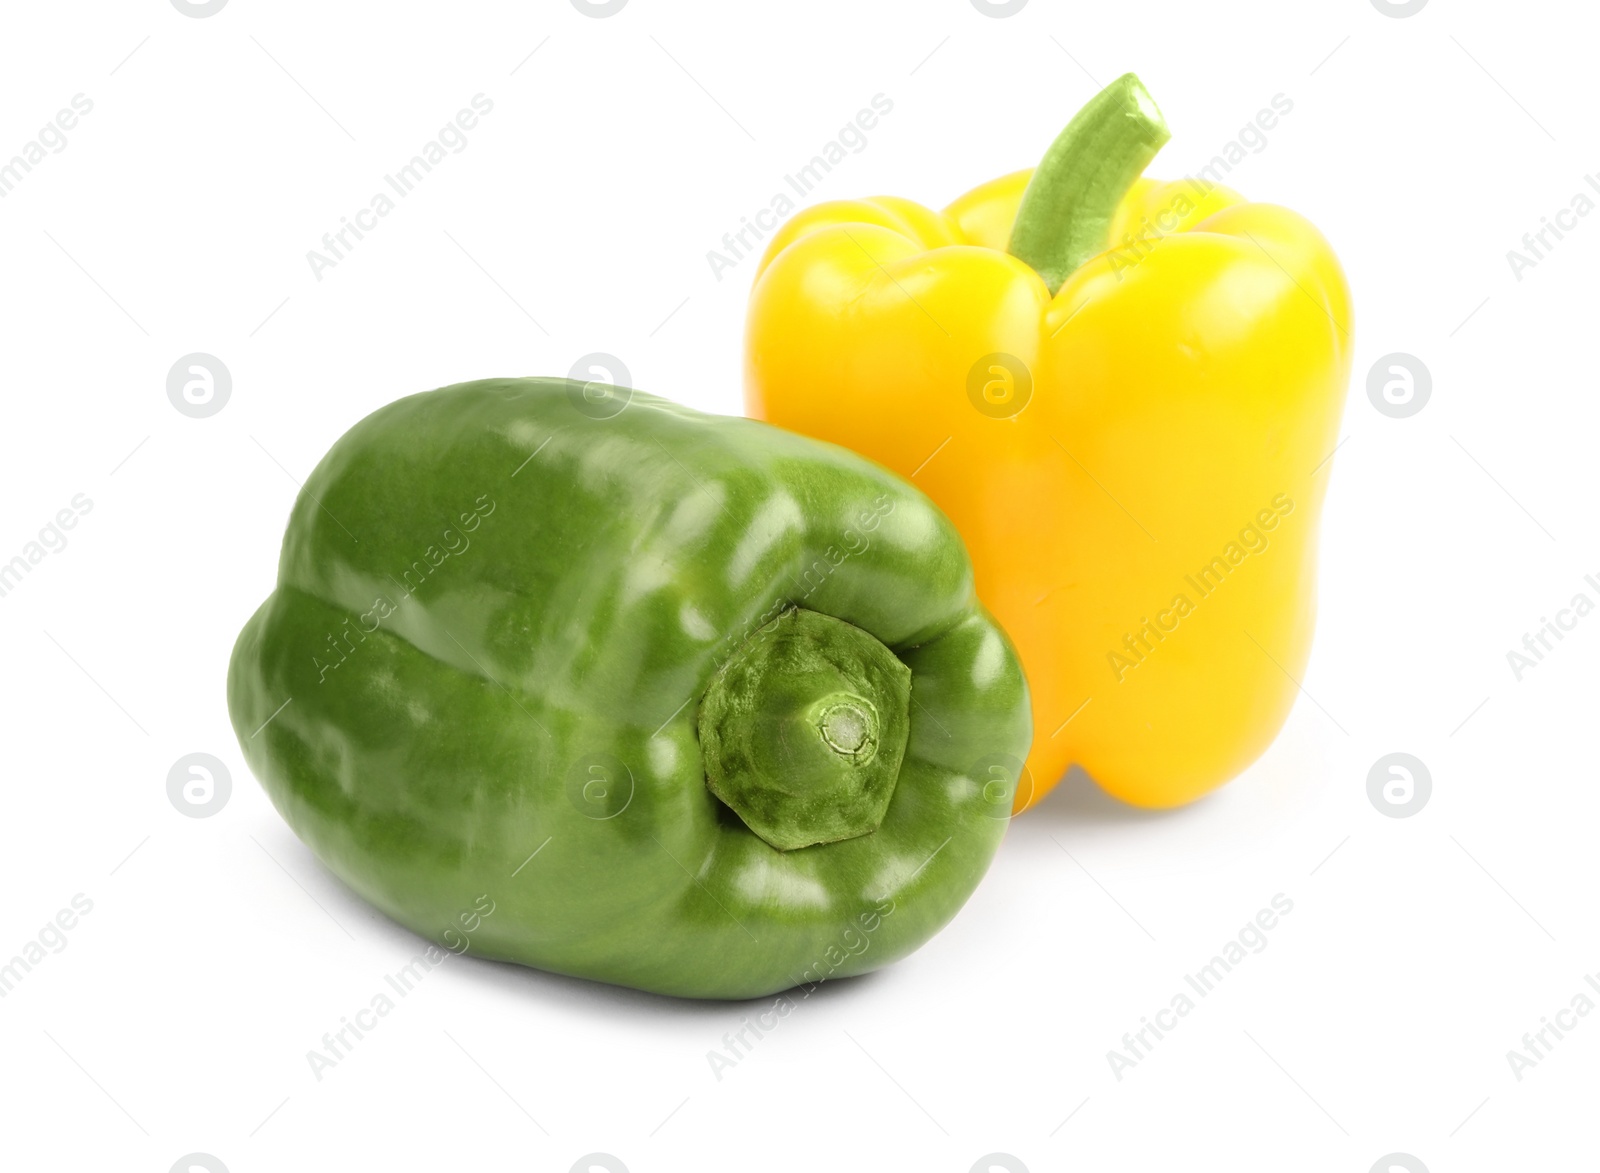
<point x="609" y="687"/>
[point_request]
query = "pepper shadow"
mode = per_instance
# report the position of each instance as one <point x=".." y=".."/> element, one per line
<point x="612" y="1003"/>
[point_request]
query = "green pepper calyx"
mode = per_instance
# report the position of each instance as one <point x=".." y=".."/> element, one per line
<point x="1066" y="211"/>
<point x="803" y="730"/>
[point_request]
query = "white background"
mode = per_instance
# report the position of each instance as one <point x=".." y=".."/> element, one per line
<point x="177" y="219"/>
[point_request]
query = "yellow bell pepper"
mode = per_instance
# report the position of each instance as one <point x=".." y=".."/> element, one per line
<point x="1125" y="393"/>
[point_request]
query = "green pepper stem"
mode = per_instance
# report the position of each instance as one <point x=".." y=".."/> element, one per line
<point x="803" y="731"/>
<point x="1065" y="214"/>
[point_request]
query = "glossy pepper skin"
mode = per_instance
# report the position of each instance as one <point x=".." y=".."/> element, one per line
<point x="1137" y="461"/>
<point x="509" y="612"/>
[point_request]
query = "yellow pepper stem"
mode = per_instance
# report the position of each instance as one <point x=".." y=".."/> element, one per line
<point x="1065" y="214"/>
